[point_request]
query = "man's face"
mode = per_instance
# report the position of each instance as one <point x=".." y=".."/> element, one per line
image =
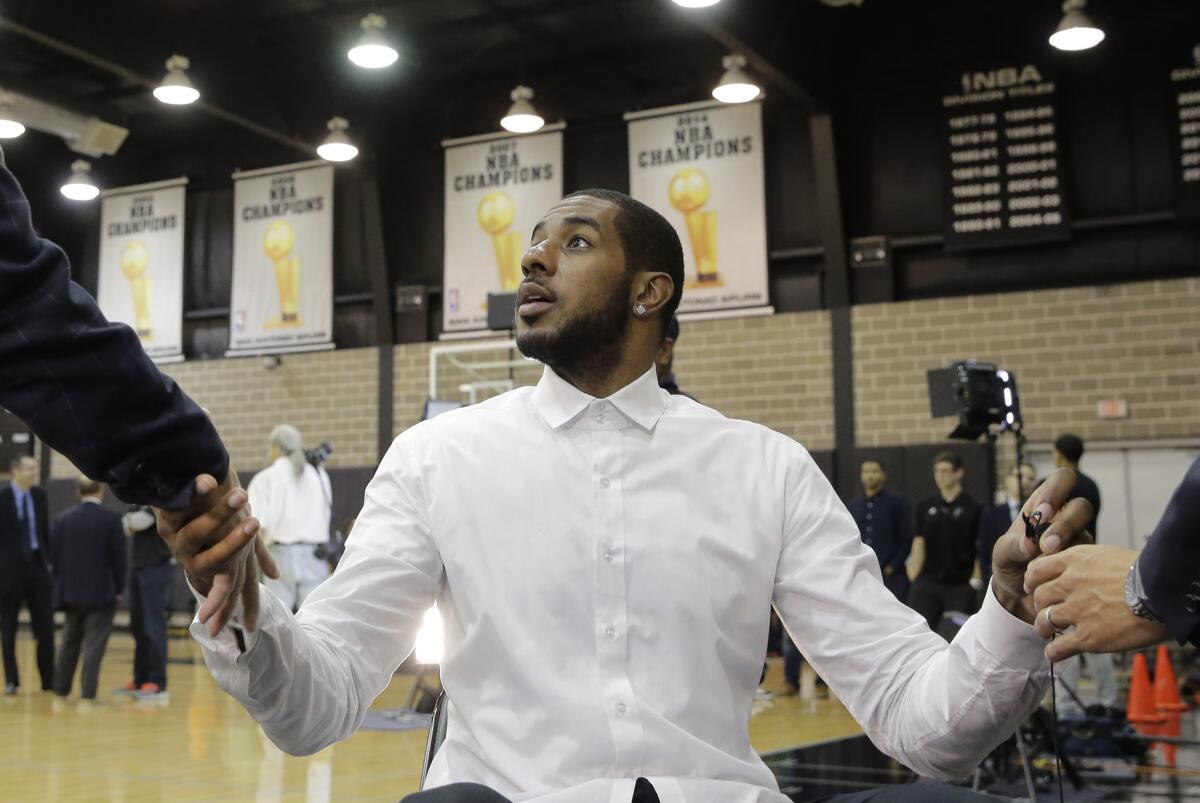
<point x="1027" y="479"/>
<point x="25" y="472"/>
<point x="872" y="476"/>
<point x="946" y="476"/>
<point x="576" y="299"/>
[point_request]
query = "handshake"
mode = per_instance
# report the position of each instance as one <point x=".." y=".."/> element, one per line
<point x="216" y="541"/>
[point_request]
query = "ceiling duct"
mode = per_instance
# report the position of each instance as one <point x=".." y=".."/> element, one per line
<point x="89" y="136"/>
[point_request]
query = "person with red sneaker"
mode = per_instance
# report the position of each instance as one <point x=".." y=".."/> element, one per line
<point x="149" y="587"/>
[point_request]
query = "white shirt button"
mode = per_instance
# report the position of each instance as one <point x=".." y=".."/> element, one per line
<point x="600" y="419"/>
<point x="608" y="555"/>
<point x="621" y="709"/>
<point x="605" y="482"/>
<point x="602" y="405"/>
<point x="610" y="631"/>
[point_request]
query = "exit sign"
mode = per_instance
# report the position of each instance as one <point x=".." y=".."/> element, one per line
<point x="1112" y="408"/>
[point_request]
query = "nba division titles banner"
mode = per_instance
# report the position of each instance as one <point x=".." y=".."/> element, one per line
<point x="141" y="263"/>
<point x="497" y="187"/>
<point x="701" y="167"/>
<point x="282" y="260"/>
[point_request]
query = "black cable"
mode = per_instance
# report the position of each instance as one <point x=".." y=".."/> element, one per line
<point x="1054" y="729"/>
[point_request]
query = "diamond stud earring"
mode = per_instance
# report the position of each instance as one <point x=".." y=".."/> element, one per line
<point x="639" y="310"/>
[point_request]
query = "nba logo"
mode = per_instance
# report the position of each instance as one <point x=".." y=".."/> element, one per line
<point x="453" y="301"/>
<point x="239" y="321"/>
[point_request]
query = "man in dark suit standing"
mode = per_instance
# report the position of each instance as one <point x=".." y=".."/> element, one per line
<point x="1018" y="485"/>
<point x="89" y="559"/>
<point x="25" y="563"/>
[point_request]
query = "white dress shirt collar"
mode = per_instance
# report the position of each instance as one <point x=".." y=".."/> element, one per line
<point x="559" y="402"/>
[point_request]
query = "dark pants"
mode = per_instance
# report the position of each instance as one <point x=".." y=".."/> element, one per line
<point x="931" y="599"/>
<point x="643" y="792"/>
<point x="791" y="661"/>
<point x="89" y="627"/>
<point x="148" y="590"/>
<point x="897" y="583"/>
<point x="33" y="589"/>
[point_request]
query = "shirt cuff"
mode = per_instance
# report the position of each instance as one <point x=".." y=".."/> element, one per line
<point x="1013" y="642"/>
<point x="226" y="642"/>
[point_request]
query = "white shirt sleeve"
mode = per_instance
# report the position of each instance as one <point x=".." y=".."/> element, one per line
<point x="309" y="679"/>
<point x="938" y="708"/>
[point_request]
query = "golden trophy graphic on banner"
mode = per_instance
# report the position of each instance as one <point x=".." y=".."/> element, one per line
<point x="688" y="191"/>
<point x="278" y="241"/>
<point x="495" y="214"/>
<point x="135" y="258"/>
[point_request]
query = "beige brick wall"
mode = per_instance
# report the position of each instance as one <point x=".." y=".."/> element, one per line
<point x="773" y="370"/>
<point x="1068" y="348"/>
<point x="329" y="396"/>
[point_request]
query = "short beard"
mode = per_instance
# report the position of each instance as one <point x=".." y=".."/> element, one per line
<point x="588" y="346"/>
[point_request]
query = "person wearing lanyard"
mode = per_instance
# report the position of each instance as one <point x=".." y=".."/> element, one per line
<point x="25" y="577"/>
<point x="885" y="524"/>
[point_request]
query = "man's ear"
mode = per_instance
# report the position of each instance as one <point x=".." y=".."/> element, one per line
<point x="655" y="291"/>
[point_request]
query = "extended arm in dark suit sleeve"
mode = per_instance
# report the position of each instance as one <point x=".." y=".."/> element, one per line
<point x="1170" y="563"/>
<point x="84" y="385"/>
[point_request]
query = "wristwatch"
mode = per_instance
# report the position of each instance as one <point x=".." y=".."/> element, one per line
<point x="1135" y="596"/>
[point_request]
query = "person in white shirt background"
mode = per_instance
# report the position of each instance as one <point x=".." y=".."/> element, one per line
<point x="293" y="502"/>
<point x="591" y="542"/>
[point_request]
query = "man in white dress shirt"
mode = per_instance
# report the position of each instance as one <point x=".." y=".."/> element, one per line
<point x="590" y="542"/>
<point x="292" y="500"/>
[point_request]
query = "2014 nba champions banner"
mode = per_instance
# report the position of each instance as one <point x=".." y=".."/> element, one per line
<point x="497" y="187"/>
<point x="141" y="263"/>
<point x="701" y="166"/>
<point x="282" y="260"/>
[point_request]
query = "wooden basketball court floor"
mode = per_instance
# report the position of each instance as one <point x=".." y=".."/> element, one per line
<point x="201" y="745"/>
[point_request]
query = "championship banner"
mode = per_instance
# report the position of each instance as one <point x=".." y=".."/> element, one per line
<point x="701" y="167"/>
<point x="498" y="186"/>
<point x="282" y="260"/>
<point x="141" y="263"/>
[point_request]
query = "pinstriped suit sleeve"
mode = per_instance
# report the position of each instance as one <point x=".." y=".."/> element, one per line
<point x="84" y="385"/>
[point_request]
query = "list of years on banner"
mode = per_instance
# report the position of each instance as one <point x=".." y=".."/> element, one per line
<point x="1004" y="183"/>
<point x="1185" y="84"/>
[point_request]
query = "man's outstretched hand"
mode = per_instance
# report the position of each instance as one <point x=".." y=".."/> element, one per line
<point x="215" y="540"/>
<point x="1012" y="554"/>
<point x="1085" y="587"/>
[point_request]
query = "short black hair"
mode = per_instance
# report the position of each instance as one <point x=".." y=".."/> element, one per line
<point x="13" y="462"/>
<point x="874" y="460"/>
<point x="649" y="242"/>
<point x="1070" y="446"/>
<point x="672" y="329"/>
<point x="949" y="457"/>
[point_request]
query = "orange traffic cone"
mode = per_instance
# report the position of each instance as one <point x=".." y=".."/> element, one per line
<point x="1166" y="700"/>
<point x="1141" y="712"/>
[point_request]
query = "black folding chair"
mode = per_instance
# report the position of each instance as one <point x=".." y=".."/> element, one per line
<point x="437" y="734"/>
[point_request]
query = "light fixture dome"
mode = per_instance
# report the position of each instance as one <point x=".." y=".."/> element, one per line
<point x="1076" y="31"/>
<point x="10" y="126"/>
<point x="337" y="147"/>
<point x="735" y="85"/>
<point x="696" y="3"/>
<point x="176" y="88"/>
<point x="80" y="187"/>
<point x="522" y="117"/>
<point x="373" y="51"/>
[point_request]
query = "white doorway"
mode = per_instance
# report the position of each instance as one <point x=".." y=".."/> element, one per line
<point x="1136" y="480"/>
